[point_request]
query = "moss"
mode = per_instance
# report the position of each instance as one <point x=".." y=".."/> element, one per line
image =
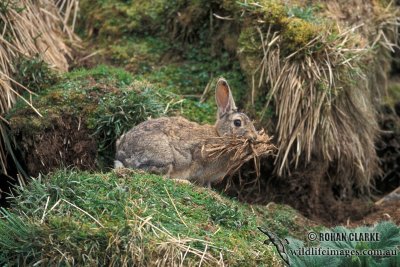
<point x="196" y="69"/>
<point x="99" y="73"/>
<point x="102" y="214"/>
<point x="393" y="95"/>
<point x="34" y="73"/>
<point x="137" y="55"/>
<point x="110" y="19"/>
<point x="297" y="26"/>
<point x="273" y="11"/>
<point x="249" y="41"/>
<point x="299" y="32"/>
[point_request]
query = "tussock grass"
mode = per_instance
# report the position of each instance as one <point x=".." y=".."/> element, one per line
<point x="129" y="218"/>
<point x="332" y="116"/>
<point x="29" y="29"/>
<point x="377" y="22"/>
<point x="324" y="81"/>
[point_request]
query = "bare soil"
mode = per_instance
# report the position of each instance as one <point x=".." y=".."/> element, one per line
<point x="386" y="211"/>
<point x="67" y="143"/>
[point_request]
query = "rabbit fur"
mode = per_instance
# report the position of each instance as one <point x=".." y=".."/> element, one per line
<point x="172" y="146"/>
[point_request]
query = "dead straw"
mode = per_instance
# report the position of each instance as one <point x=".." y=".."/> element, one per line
<point x="326" y="89"/>
<point x="241" y="149"/>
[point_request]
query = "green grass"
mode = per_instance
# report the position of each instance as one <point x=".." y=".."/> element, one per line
<point x="99" y="73"/>
<point x="126" y="217"/>
<point x="173" y="68"/>
<point x="34" y="73"/>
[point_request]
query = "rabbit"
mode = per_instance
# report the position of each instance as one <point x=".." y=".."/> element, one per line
<point x="171" y="146"/>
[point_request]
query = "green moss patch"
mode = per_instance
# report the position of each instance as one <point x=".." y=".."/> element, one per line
<point x="185" y="71"/>
<point x="393" y="95"/>
<point x="130" y="218"/>
<point x="110" y="19"/>
<point x="34" y="73"/>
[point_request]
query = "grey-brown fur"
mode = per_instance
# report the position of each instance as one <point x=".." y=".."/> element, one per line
<point x="172" y="145"/>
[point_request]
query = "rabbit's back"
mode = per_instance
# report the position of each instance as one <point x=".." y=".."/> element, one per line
<point x="167" y="145"/>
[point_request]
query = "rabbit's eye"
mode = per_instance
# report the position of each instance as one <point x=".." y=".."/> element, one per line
<point x="237" y="123"/>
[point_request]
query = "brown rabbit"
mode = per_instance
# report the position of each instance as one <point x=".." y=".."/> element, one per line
<point x="172" y="145"/>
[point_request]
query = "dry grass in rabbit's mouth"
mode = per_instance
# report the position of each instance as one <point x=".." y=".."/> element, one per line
<point x="242" y="149"/>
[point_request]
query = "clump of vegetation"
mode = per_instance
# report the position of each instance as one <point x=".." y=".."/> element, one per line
<point x="201" y="112"/>
<point x="179" y="20"/>
<point x="127" y="218"/>
<point x="110" y="19"/>
<point x="138" y="55"/>
<point x="117" y="113"/>
<point x="34" y="73"/>
<point x="191" y="76"/>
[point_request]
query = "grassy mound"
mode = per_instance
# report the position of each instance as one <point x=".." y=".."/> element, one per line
<point x="127" y="218"/>
<point x="82" y="115"/>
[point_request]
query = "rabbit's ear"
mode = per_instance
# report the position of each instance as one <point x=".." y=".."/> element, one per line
<point x="224" y="98"/>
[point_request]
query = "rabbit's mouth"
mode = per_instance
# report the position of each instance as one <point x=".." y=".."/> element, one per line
<point x="252" y="137"/>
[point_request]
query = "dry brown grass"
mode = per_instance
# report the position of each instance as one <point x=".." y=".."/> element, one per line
<point x="241" y="149"/>
<point x="319" y="111"/>
<point x="325" y="93"/>
<point x="31" y="29"/>
<point x="378" y="24"/>
<point x="175" y="250"/>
